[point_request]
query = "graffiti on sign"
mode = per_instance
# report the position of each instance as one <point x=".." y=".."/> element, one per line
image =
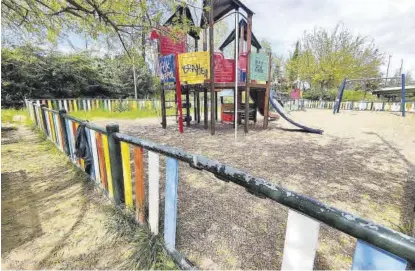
<point x="194" y="67"/>
<point x="259" y="66"/>
<point x="167" y="69"/>
<point x="224" y="69"/>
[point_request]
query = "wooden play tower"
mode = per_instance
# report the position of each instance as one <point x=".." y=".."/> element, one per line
<point x="248" y="72"/>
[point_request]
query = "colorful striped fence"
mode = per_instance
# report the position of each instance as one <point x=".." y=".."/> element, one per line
<point x="118" y="159"/>
<point x="81" y="104"/>
<point x="361" y="106"/>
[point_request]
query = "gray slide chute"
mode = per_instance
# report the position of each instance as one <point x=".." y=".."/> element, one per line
<point x="280" y="109"/>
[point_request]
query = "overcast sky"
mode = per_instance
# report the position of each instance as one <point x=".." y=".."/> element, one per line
<point x="390" y="23"/>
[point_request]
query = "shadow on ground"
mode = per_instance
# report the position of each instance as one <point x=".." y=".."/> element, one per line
<point x="220" y="226"/>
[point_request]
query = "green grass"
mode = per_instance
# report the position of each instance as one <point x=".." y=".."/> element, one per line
<point x="359" y="95"/>
<point x="149" y="252"/>
<point x="8" y="114"/>
<point x="133" y="114"/>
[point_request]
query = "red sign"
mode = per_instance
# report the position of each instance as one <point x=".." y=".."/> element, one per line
<point x="224" y="69"/>
<point x="242" y="61"/>
<point x="169" y="46"/>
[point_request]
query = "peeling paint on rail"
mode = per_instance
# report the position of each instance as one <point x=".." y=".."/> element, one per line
<point x="382" y="237"/>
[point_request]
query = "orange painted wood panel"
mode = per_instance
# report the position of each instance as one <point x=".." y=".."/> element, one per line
<point x="139" y="184"/>
<point x="101" y="160"/>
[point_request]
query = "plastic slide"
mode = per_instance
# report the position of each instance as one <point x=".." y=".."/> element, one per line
<point x="259" y="98"/>
<point x="280" y="109"/>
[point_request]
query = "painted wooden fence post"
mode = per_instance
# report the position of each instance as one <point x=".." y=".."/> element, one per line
<point x="95" y="163"/>
<point x="301" y="240"/>
<point x="107" y="165"/>
<point x="139" y="184"/>
<point x="126" y="168"/>
<point x="64" y="131"/>
<point x="101" y="160"/>
<point x="32" y="105"/>
<point x="42" y="115"/>
<point x="92" y="173"/>
<point x="370" y="257"/>
<point x="170" y="209"/>
<point x="115" y="162"/>
<point x="153" y="191"/>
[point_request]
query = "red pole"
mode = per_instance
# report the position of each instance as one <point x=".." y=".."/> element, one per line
<point x="179" y="95"/>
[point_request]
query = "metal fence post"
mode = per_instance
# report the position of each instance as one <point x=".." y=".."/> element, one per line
<point x="403" y="96"/>
<point x="42" y="116"/>
<point x="116" y="163"/>
<point x="64" y="131"/>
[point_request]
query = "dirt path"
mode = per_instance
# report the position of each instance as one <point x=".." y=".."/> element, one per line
<point x="51" y="219"/>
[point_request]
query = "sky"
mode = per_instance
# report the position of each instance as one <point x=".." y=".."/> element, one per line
<point x="389" y="23"/>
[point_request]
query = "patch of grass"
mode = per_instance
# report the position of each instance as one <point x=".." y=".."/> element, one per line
<point x="406" y="227"/>
<point x="7" y="116"/>
<point x="148" y="249"/>
<point x="118" y="114"/>
<point x="131" y="114"/>
<point x="359" y="95"/>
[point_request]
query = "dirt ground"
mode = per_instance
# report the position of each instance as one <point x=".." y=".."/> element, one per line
<point x="50" y="218"/>
<point x="363" y="164"/>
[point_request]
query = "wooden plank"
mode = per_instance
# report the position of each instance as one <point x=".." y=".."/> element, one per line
<point x="139" y="184"/>
<point x="101" y="160"/>
<point x="52" y="127"/>
<point x="126" y="169"/>
<point x="170" y="209"/>
<point x="267" y="91"/>
<point x="91" y="169"/>
<point x="58" y="132"/>
<point x="48" y="129"/>
<point x="55" y="129"/>
<point x="94" y="149"/>
<point x="107" y="165"/>
<point x="248" y="71"/>
<point x="301" y="240"/>
<point x="153" y="191"/>
<point x="69" y="131"/>
<point x="75" y="106"/>
<point x="74" y="128"/>
<point x="369" y="257"/>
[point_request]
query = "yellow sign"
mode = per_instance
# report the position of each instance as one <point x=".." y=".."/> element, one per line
<point x="194" y="67"/>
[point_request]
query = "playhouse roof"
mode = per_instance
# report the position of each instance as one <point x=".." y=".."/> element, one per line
<point x="231" y="37"/>
<point x="178" y="16"/>
<point x="222" y="7"/>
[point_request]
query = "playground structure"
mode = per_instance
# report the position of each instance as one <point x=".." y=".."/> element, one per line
<point x="385" y="91"/>
<point x="209" y="72"/>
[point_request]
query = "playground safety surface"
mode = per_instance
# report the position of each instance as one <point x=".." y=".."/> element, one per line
<point x="364" y="163"/>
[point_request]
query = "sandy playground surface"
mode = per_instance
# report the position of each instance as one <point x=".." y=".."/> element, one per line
<point x="364" y="163"/>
